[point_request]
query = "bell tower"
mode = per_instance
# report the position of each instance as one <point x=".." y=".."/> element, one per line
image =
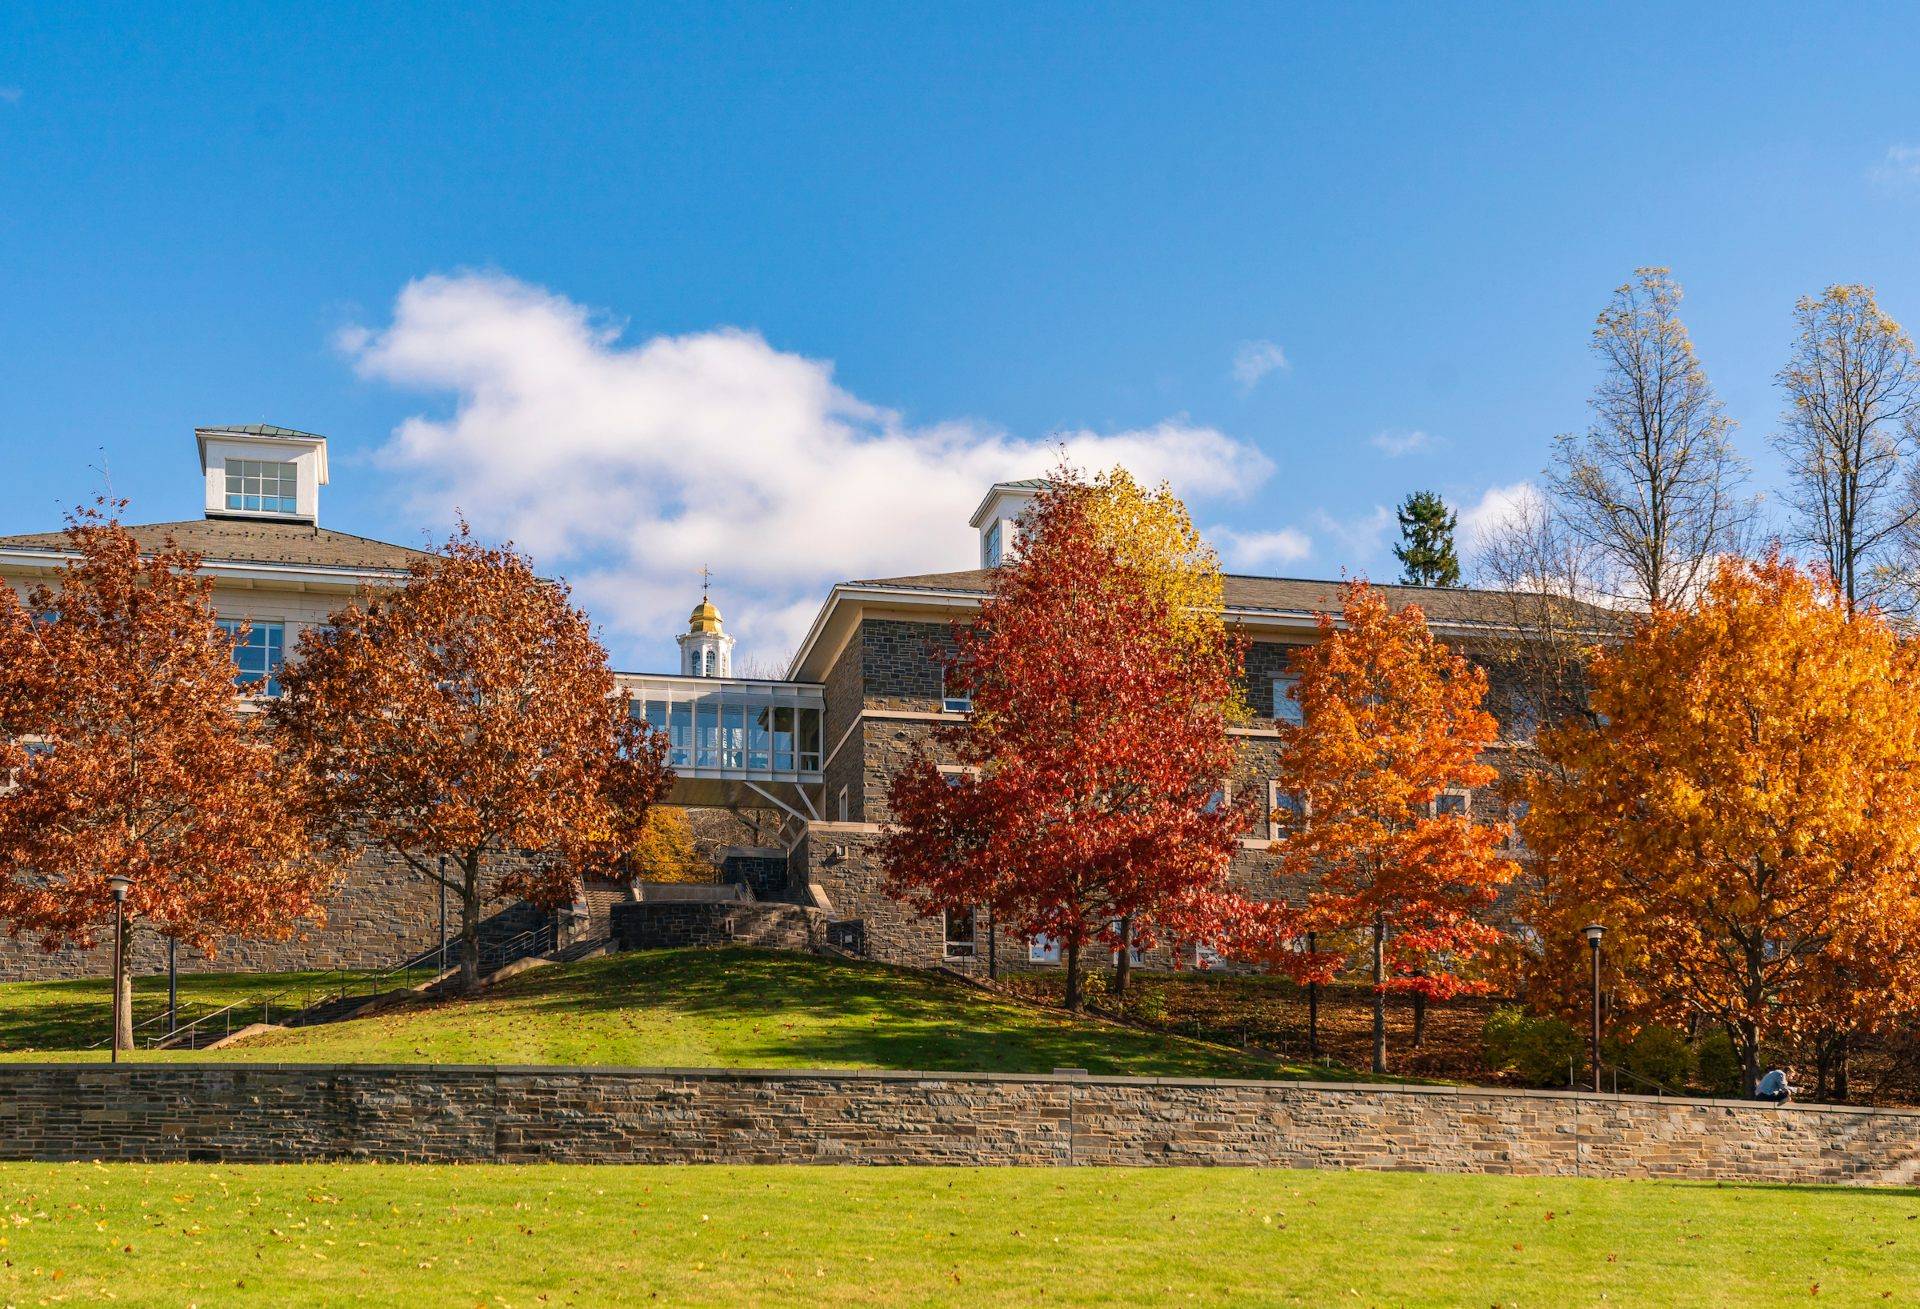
<point x="705" y="648"/>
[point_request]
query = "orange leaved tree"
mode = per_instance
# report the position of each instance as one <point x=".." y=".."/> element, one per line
<point x="124" y="754"/>
<point x="470" y="715"/>
<point x="1380" y="770"/>
<point x="1743" y="813"/>
<point x="1101" y="701"/>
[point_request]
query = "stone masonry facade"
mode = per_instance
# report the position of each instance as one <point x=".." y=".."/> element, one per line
<point x="426" y="1114"/>
<point x="380" y="914"/>
<point x="884" y="695"/>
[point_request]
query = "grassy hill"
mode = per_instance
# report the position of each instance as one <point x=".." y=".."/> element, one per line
<point x="743" y="1008"/>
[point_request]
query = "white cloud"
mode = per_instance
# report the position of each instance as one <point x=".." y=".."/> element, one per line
<point x="1498" y="507"/>
<point x="629" y="466"/>
<point x="10" y="95"/>
<point x="1255" y="359"/>
<point x="1361" y="538"/>
<point x="1258" y="552"/>
<point x="1396" y="442"/>
<point x="1900" y="168"/>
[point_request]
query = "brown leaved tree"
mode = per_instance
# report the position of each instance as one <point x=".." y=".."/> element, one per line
<point x="125" y="754"/>
<point x="470" y="715"/>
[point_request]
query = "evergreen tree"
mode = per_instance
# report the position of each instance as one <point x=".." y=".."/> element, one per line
<point x="1426" y="550"/>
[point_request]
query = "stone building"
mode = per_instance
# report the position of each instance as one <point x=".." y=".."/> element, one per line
<point x="803" y="761"/>
<point x="276" y="571"/>
<point x="866" y="690"/>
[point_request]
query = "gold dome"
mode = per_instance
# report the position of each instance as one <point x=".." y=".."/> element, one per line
<point x="704" y="618"/>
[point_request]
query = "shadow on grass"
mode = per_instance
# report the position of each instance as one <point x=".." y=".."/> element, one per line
<point x="801" y="1009"/>
<point x="77" y="1014"/>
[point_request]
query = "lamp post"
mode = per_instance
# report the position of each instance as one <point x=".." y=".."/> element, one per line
<point x="1313" y="1002"/>
<point x="118" y="884"/>
<point x="1593" y="932"/>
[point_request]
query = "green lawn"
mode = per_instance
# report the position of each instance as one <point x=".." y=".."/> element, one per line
<point x="743" y="1008"/>
<point x="38" y="1016"/>
<point x="334" y="1234"/>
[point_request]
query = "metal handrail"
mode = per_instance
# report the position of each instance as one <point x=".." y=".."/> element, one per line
<point x="325" y="990"/>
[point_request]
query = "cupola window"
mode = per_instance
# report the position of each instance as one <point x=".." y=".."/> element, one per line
<point x="255" y="486"/>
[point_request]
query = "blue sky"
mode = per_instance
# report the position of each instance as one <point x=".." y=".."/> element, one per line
<point x="776" y="289"/>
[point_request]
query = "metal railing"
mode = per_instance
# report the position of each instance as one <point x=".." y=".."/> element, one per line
<point x="302" y="1003"/>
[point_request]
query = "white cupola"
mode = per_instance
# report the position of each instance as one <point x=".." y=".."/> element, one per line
<point x="705" y="649"/>
<point x="997" y="518"/>
<point x="261" y="471"/>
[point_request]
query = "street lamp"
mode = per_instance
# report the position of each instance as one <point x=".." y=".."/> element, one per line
<point x="118" y="884"/>
<point x="1593" y="932"/>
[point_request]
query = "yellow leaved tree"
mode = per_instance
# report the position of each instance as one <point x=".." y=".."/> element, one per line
<point x="1742" y="813"/>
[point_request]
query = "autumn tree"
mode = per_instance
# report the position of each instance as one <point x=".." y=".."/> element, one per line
<point x="1743" y="814"/>
<point x="1848" y="436"/>
<point x="1379" y="770"/>
<point x="470" y="714"/>
<point x="125" y="752"/>
<point x="1426" y="552"/>
<point x="665" y="851"/>
<point x="1103" y="682"/>
<point x="1653" y="486"/>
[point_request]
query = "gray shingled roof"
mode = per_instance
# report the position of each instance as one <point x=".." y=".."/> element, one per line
<point x="1288" y="595"/>
<point x="257" y="429"/>
<point x="249" y="540"/>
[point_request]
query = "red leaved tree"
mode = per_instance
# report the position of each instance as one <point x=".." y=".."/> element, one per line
<point x="1391" y="722"/>
<point x="124" y="754"/>
<point x="470" y="714"/>
<point x="1097" y="744"/>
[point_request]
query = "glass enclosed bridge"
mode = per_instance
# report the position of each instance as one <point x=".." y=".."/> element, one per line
<point x="737" y="742"/>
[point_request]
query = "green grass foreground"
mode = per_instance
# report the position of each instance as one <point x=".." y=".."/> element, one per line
<point x="528" y="1236"/>
<point x="732" y="1008"/>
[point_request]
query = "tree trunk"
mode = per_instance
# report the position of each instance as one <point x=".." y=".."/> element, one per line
<point x="1749" y="1043"/>
<point x="1419" y="1018"/>
<point x="1379" y="993"/>
<point x="470" y="923"/>
<point x="123" y="1019"/>
<point x="1823" y="1047"/>
<point x="1123" y="966"/>
<point x="1843" y="1041"/>
<point x="1073" y="976"/>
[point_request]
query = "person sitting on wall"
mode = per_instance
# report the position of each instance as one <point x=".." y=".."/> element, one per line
<point x="1776" y="1086"/>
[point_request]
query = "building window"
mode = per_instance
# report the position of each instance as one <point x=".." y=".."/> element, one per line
<point x="1286" y="812"/>
<point x="1449" y="804"/>
<point x="952" y="699"/>
<point x="1205" y="957"/>
<point x="1217" y="799"/>
<point x="990" y="545"/>
<point x="843" y="804"/>
<point x="958" y="924"/>
<point x="257" y="658"/>
<point x="1286" y="709"/>
<point x="257" y="487"/>
<point x="1043" y="950"/>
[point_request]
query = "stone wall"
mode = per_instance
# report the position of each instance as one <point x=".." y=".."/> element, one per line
<point x="666" y="924"/>
<point x="270" y="1113"/>
<point x="380" y="914"/>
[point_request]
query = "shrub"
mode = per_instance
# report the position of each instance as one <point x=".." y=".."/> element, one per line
<point x="1719" y="1063"/>
<point x="1540" y="1050"/>
<point x="1662" y="1056"/>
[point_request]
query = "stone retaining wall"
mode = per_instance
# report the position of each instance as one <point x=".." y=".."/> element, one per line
<point x="275" y="1113"/>
<point x="670" y="924"/>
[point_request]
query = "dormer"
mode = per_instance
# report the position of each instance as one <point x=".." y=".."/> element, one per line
<point x="261" y="471"/>
<point x="997" y="518"/>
